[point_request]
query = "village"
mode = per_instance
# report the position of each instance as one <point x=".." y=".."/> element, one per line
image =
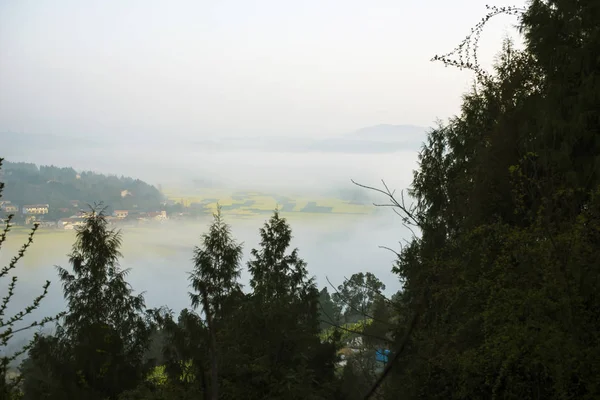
<point x="72" y="217"/>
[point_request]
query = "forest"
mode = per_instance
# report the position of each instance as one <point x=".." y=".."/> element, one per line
<point x="27" y="183"/>
<point x="500" y="290"/>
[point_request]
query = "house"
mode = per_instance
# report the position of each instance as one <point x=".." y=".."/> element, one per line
<point x="70" y="223"/>
<point x="36" y="209"/>
<point x="11" y="209"/>
<point x="122" y="214"/>
<point x="8" y="207"/>
<point x="157" y="216"/>
<point x="125" y="193"/>
<point x="74" y="203"/>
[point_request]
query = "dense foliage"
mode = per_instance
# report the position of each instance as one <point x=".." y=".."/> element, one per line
<point x="501" y="280"/>
<point x="58" y="187"/>
<point x="508" y="198"/>
<point x="99" y="346"/>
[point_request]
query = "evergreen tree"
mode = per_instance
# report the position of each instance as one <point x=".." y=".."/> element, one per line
<point x="505" y="271"/>
<point x="329" y="312"/>
<point x="275" y="275"/>
<point x="214" y="279"/>
<point x="289" y="359"/>
<point x="99" y="348"/>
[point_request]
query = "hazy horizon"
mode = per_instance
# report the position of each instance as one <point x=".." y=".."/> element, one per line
<point x="270" y="95"/>
<point x="230" y="68"/>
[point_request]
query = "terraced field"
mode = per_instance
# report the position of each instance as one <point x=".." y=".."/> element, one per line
<point x="255" y="203"/>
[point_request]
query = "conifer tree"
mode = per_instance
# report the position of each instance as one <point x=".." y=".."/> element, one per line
<point x="214" y="280"/>
<point x="290" y="361"/>
<point x="99" y="348"/>
<point x="276" y="275"/>
<point x="505" y="272"/>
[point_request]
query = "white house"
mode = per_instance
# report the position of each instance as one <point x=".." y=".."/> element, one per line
<point x="36" y="209"/>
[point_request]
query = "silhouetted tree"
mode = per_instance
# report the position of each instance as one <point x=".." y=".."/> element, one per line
<point x="99" y="348"/>
<point x="214" y="279"/>
<point x="289" y="360"/>
<point x="507" y="200"/>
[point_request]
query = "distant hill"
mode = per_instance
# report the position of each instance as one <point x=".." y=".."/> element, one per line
<point x="62" y="188"/>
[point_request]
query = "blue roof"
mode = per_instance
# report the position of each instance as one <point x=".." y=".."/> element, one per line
<point x="382" y="355"/>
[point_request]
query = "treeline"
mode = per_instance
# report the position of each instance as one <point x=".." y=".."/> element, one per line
<point x="29" y="184"/>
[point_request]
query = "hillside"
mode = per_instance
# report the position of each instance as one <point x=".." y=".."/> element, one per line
<point x="65" y="188"/>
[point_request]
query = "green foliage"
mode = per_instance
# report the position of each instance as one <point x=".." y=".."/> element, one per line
<point x="283" y="331"/>
<point x="507" y="196"/>
<point x="347" y="331"/>
<point x="57" y="187"/>
<point x="355" y="297"/>
<point x="216" y="267"/>
<point x="329" y="312"/>
<point x="98" y="351"/>
<point x="216" y="270"/>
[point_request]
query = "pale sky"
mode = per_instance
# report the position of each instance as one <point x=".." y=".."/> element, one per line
<point x="152" y="68"/>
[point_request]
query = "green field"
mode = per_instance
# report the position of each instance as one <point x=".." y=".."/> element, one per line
<point x="257" y="203"/>
<point x="251" y="208"/>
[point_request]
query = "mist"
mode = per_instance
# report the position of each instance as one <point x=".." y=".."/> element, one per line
<point x="160" y="257"/>
<point x="291" y="166"/>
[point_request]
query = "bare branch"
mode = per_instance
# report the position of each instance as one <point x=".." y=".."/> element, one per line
<point x="408" y="217"/>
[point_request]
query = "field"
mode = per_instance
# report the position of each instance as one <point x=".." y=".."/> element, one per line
<point x="250" y="208"/>
<point x="51" y="242"/>
<point x="247" y="204"/>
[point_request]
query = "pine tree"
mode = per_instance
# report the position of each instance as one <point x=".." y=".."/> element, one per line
<point x="100" y="346"/>
<point x="214" y="279"/>
<point x="283" y="333"/>
<point x="274" y="274"/>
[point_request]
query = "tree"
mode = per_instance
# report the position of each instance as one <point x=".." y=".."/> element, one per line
<point x="9" y="323"/>
<point x="214" y="279"/>
<point x="356" y="295"/>
<point x="274" y="275"/>
<point x="283" y="334"/>
<point x="329" y="312"/>
<point x="99" y="347"/>
<point x="507" y="206"/>
<point x="184" y="347"/>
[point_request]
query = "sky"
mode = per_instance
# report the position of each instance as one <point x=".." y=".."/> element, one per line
<point x="147" y="69"/>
